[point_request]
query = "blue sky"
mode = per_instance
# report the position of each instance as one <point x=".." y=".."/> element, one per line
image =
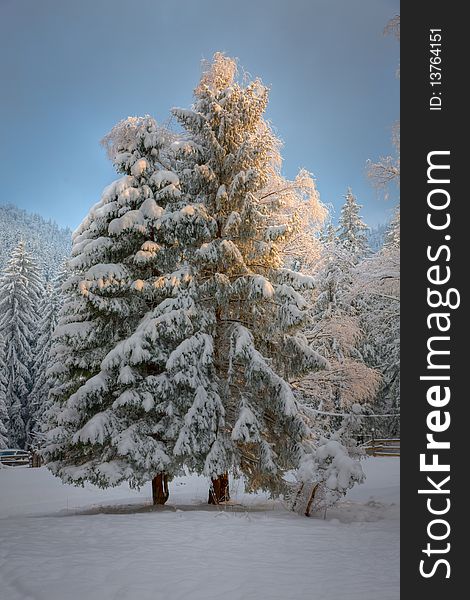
<point x="71" y="69"/>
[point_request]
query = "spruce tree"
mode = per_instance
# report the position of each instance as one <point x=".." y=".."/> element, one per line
<point x="351" y="229"/>
<point x="328" y="235"/>
<point x="49" y="307"/>
<point x="392" y="236"/>
<point x="103" y="415"/>
<point x="20" y="290"/>
<point x="254" y="305"/>
<point x="4" y="420"/>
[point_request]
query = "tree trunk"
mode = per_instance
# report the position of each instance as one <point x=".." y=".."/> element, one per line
<point x="219" y="491"/>
<point x="35" y="459"/>
<point x="310" y="500"/>
<point x="160" y="491"/>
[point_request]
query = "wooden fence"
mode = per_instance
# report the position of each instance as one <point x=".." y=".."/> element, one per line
<point x="383" y="447"/>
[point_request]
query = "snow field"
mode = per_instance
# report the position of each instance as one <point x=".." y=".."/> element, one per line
<point x="58" y="542"/>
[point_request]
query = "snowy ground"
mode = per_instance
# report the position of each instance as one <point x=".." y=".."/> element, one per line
<point x="58" y="542"/>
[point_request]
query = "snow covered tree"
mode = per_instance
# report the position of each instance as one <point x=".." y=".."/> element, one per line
<point x="20" y="290"/>
<point x="392" y="236"/>
<point x="109" y="420"/>
<point x="386" y="170"/>
<point x="377" y="293"/>
<point x="49" y="307"/>
<point x="301" y="251"/>
<point x="254" y="305"/>
<point x="327" y="235"/>
<point x="3" y="397"/>
<point x="171" y="348"/>
<point x="335" y="332"/>
<point x="334" y="399"/>
<point x="352" y="231"/>
<point x="332" y="468"/>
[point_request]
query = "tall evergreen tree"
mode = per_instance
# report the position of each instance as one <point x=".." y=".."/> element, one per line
<point x="4" y="420"/>
<point x="351" y="229"/>
<point x="49" y="307"/>
<point x="20" y="290"/>
<point x="328" y="235"/>
<point x="253" y="304"/>
<point x="392" y="237"/>
<point x="188" y="247"/>
<point x="104" y="417"/>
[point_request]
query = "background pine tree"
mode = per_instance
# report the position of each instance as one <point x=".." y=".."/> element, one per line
<point x="49" y="308"/>
<point x="4" y="419"/>
<point x="352" y="231"/>
<point x="20" y="291"/>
